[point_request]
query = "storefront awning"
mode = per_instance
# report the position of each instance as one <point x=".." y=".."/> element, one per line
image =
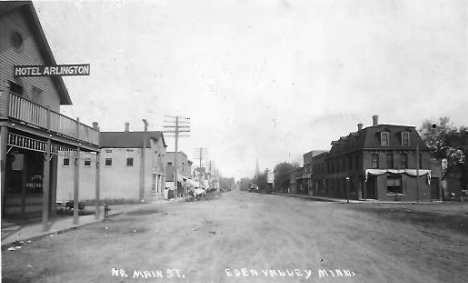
<point x="410" y="172"/>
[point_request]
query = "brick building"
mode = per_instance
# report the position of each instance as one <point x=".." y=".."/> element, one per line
<point x="33" y="132"/>
<point x="378" y="162"/>
<point x="306" y="181"/>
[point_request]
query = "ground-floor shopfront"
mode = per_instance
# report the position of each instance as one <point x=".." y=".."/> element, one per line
<point x="29" y="160"/>
<point x="24" y="189"/>
<point x="383" y="185"/>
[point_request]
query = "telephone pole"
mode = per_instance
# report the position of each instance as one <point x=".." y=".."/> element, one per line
<point x="174" y="125"/>
<point x="200" y="154"/>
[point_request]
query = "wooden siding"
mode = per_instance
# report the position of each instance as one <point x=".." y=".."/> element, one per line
<point x="28" y="55"/>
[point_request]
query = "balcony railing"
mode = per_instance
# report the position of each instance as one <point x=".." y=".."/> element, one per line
<point x="37" y="115"/>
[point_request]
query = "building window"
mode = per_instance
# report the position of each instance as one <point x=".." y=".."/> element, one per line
<point x="169" y="163"/>
<point x="384" y="139"/>
<point x="420" y="161"/>
<point x="16" y="41"/>
<point x="36" y="95"/>
<point x="404" y="161"/>
<point x="66" y="158"/>
<point x="129" y="156"/>
<point x="375" y="161"/>
<point x="405" y="140"/>
<point x="16" y="88"/>
<point x="108" y="158"/>
<point x="87" y="161"/>
<point x="394" y="185"/>
<point x="389" y="160"/>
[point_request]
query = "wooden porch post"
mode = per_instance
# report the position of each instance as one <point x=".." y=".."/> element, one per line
<point x="53" y="186"/>
<point x="46" y="188"/>
<point x="5" y="97"/>
<point x="98" y="178"/>
<point x="76" y="186"/>
<point x="3" y="155"/>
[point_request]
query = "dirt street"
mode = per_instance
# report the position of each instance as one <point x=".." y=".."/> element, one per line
<point x="246" y="237"/>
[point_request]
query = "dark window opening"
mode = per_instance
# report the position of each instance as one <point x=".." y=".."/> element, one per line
<point x="108" y="162"/>
<point x="375" y="161"/>
<point x="389" y="160"/>
<point x="66" y="161"/>
<point x="404" y="161"/>
<point x="16" y="88"/>
<point x="87" y="162"/>
<point x="394" y="185"/>
<point x="130" y="161"/>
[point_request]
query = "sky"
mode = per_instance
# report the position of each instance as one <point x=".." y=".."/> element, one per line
<point x="262" y="81"/>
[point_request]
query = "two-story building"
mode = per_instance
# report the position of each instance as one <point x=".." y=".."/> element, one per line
<point x="132" y="167"/>
<point x="384" y="162"/>
<point x="307" y="171"/>
<point x="184" y="170"/>
<point x="33" y="133"/>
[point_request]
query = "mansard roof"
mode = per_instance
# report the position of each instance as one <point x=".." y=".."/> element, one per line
<point x="370" y="138"/>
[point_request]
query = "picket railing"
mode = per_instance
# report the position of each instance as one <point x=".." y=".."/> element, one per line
<point x="31" y="113"/>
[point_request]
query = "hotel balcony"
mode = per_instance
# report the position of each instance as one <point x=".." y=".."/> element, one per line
<point x="35" y="118"/>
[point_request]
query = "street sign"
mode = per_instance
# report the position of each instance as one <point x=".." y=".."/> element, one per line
<point x="56" y="70"/>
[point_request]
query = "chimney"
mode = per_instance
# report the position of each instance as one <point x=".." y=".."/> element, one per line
<point x="359" y="126"/>
<point x="127" y="127"/>
<point x="375" y="120"/>
<point x="96" y="126"/>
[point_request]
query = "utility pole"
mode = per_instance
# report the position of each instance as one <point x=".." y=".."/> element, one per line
<point x="142" y="162"/>
<point x="173" y="127"/>
<point x="200" y="154"/>
<point x="417" y="172"/>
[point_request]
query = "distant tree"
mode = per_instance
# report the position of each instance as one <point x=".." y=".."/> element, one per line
<point x="450" y="144"/>
<point x="245" y="184"/>
<point x="260" y="180"/>
<point x="227" y="184"/>
<point x="282" y="174"/>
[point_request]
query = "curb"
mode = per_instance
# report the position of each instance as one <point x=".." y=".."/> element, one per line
<point x="310" y="197"/>
<point x="51" y="234"/>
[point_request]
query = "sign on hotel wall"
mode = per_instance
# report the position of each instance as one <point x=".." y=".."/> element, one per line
<point x="56" y="70"/>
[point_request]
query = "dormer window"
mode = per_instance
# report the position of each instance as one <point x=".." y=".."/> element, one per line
<point x="405" y="140"/>
<point x="384" y="139"/>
